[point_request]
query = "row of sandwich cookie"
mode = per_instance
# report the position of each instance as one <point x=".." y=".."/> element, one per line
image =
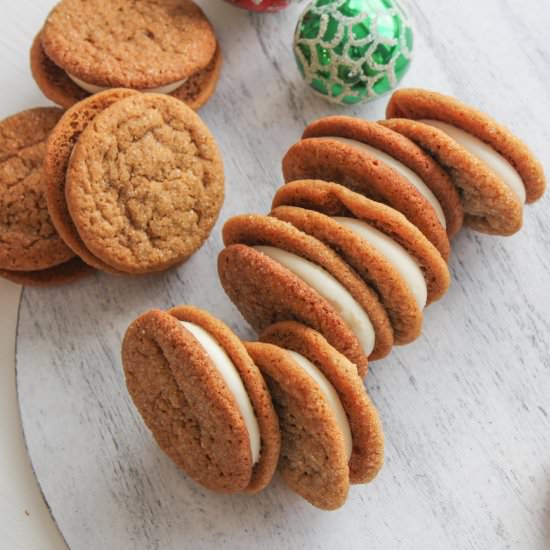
<point x="358" y="247"/>
<point x="436" y="160"/>
<point x="230" y="413"/>
<point x="159" y="46"/>
<point x="338" y="272"/>
<point x="124" y="182"/>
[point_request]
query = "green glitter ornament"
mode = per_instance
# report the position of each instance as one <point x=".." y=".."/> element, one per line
<point x="351" y="51"/>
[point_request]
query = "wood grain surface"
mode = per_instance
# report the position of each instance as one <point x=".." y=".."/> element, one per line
<point x="466" y="408"/>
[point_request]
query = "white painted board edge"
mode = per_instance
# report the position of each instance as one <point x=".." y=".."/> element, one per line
<point x="25" y="519"/>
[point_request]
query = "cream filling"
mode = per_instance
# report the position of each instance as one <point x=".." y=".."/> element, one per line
<point x="331" y="395"/>
<point x="231" y="377"/>
<point x="395" y="254"/>
<point x="94" y="89"/>
<point x="485" y="153"/>
<point x="330" y="289"/>
<point x="411" y="176"/>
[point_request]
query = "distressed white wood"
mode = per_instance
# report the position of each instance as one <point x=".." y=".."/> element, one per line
<point x="25" y="522"/>
<point x="465" y="408"/>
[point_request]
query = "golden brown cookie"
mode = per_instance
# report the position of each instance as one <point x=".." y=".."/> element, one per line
<point x="66" y="273"/>
<point x="145" y="184"/>
<point x="256" y="389"/>
<point x="403" y="151"/>
<point x="313" y="206"/>
<point x="403" y="310"/>
<point x="313" y="459"/>
<point x="187" y="402"/>
<point x="416" y="104"/>
<point x="330" y="160"/>
<point x="335" y="200"/>
<point x="59" y="148"/>
<point x="57" y="86"/>
<point x="138" y="44"/>
<point x="255" y="230"/>
<point x="266" y="292"/>
<point x="489" y="205"/>
<point x="368" y="440"/>
<point x="331" y="432"/>
<point x="28" y="240"/>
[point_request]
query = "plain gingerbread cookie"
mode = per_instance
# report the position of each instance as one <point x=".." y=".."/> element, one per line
<point x="145" y="184"/>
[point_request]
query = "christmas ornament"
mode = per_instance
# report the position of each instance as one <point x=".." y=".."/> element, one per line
<point x="262" y="5"/>
<point x="350" y="51"/>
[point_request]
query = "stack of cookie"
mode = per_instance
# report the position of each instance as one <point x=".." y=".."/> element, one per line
<point x="156" y="46"/>
<point x="124" y="182"/>
<point x="355" y="247"/>
<point x="229" y="413"/>
<point x="134" y="182"/>
<point x="357" y="242"/>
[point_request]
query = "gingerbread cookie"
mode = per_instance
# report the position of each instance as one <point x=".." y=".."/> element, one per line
<point x="160" y="46"/>
<point x="58" y="87"/>
<point x="403" y="156"/>
<point x="59" y="149"/>
<point x="203" y="398"/>
<point x="324" y="271"/>
<point x="328" y="159"/>
<point x="331" y="433"/>
<point x="28" y="240"/>
<point x="265" y="292"/>
<point x="144" y="185"/>
<point x="494" y="171"/>
<point x="337" y="201"/>
<point x="379" y="243"/>
<point x="421" y="104"/>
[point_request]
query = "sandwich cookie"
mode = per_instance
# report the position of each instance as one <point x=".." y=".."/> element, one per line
<point x="328" y="159"/>
<point x="323" y="270"/>
<point x="62" y="274"/>
<point x="379" y="243"/>
<point x="59" y="148"/>
<point x="401" y="154"/>
<point x="265" y="291"/>
<point x="28" y="240"/>
<point x="331" y="434"/>
<point x="203" y="398"/>
<point x="494" y="171"/>
<point x="144" y="184"/>
<point x="160" y="46"/>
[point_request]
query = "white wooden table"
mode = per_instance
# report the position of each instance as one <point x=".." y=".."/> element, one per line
<point x="466" y="408"/>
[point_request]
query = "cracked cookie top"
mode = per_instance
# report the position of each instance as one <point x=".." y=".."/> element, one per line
<point x="145" y="183"/>
<point x="28" y="240"/>
<point x="129" y="43"/>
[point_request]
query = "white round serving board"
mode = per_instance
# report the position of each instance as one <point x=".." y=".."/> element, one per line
<point x="465" y="408"/>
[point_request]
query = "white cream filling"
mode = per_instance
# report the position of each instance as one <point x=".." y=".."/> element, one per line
<point x="485" y="153"/>
<point x="395" y="254"/>
<point x="231" y="377"/>
<point x="330" y="289"/>
<point x="331" y="395"/>
<point x="94" y="89"/>
<point x="411" y="176"/>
